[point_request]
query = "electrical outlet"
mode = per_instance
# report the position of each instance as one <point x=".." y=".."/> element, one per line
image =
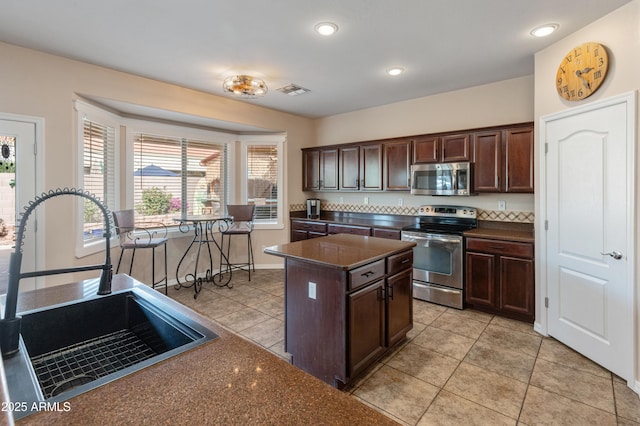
<point x="400" y="201"/>
<point x="312" y="290"/>
<point x="366" y="201"/>
<point x="502" y="205"/>
<point x="341" y="200"/>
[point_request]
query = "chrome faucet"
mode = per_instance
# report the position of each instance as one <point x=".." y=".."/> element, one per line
<point x="10" y="323"/>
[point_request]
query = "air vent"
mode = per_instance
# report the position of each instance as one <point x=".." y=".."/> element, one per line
<point x="293" y="90"/>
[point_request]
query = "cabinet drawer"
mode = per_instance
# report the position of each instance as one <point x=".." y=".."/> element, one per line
<point x="309" y="226"/>
<point x="500" y="247"/>
<point x="366" y="274"/>
<point x="392" y="234"/>
<point x="400" y="261"/>
<point x="348" y="229"/>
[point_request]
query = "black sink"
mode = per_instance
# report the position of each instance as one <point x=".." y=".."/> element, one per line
<point x="69" y="349"/>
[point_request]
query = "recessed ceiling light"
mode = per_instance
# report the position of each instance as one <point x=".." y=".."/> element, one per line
<point x="544" y="30"/>
<point x="395" y="71"/>
<point x="326" y="28"/>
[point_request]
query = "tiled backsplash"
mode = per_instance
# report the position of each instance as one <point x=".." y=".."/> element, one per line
<point x="492" y="215"/>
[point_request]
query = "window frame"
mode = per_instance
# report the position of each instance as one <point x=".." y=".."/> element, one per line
<point x="261" y="140"/>
<point x="86" y="111"/>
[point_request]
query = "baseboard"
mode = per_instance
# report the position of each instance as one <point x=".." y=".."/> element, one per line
<point x="537" y="327"/>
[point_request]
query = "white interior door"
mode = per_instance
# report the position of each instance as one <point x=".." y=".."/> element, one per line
<point x="22" y="135"/>
<point x="590" y="212"/>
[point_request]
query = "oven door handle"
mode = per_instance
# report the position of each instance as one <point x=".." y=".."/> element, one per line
<point x="437" y="238"/>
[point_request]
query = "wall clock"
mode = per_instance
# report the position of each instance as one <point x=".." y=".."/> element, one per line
<point x="582" y="71"/>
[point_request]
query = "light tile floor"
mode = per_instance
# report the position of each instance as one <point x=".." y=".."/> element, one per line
<point x="454" y="368"/>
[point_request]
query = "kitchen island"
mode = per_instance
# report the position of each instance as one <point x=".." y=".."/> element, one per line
<point x="348" y="299"/>
<point x="225" y="381"/>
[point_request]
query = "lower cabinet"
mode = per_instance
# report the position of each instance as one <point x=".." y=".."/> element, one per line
<point x="500" y="278"/>
<point x="304" y="229"/>
<point x="350" y="318"/>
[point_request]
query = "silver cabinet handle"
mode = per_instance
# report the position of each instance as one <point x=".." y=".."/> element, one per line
<point x="615" y="254"/>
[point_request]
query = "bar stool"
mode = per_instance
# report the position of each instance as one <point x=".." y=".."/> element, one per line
<point x="133" y="237"/>
<point x="242" y="224"/>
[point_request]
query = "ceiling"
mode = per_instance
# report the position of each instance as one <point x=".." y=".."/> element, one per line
<point x="442" y="45"/>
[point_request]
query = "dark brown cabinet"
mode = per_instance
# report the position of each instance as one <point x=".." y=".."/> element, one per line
<point x="338" y="322"/>
<point x="442" y="148"/>
<point x="371" y="167"/>
<point x="349" y="168"/>
<point x="367" y="326"/>
<point x="397" y="164"/>
<point x="320" y="169"/>
<point x="361" y="167"/>
<point x="392" y="234"/>
<point x="304" y="229"/>
<point x="502" y="157"/>
<point x="504" y="160"/>
<point x="500" y="278"/>
<point x="333" y="228"/>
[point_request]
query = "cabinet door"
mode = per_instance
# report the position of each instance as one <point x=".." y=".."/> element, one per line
<point x="349" y="168"/>
<point x="456" y="147"/>
<point x="366" y="326"/>
<point x="480" y="282"/>
<point x="329" y="169"/>
<point x="426" y="149"/>
<point x="397" y="165"/>
<point x="311" y="172"/>
<point x="516" y="287"/>
<point x="487" y="156"/>
<point x="519" y="160"/>
<point x="371" y="167"/>
<point x="399" y="306"/>
<point x="298" y="235"/>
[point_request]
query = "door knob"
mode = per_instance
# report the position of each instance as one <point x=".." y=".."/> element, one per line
<point x="615" y="254"/>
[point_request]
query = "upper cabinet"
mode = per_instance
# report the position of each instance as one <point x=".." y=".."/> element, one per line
<point x="504" y="160"/>
<point x="441" y="148"/>
<point x="361" y="167"/>
<point x="320" y="169"/>
<point x="397" y="165"/>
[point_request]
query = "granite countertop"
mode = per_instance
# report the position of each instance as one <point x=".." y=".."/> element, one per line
<point x="226" y="381"/>
<point x="361" y="219"/>
<point x="342" y="251"/>
<point x="505" y="231"/>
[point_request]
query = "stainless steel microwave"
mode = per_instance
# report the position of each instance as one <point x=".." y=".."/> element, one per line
<point x="442" y="179"/>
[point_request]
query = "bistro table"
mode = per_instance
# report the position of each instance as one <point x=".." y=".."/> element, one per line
<point x="204" y="227"/>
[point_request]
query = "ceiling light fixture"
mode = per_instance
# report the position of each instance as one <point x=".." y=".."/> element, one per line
<point x="326" y="28"/>
<point x="544" y="30"/>
<point x="245" y="86"/>
<point x="395" y="71"/>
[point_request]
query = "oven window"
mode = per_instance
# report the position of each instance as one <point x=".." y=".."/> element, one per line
<point x="433" y="259"/>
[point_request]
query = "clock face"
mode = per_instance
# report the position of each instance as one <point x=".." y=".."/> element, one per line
<point x="582" y="71"/>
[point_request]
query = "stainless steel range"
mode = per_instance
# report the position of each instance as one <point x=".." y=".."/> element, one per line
<point x="438" y="268"/>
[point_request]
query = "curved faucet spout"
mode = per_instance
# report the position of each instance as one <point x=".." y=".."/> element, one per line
<point x="10" y="324"/>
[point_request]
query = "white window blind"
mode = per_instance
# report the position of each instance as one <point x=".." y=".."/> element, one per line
<point x="262" y="180"/>
<point x="99" y="174"/>
<point x="177" y="176"/>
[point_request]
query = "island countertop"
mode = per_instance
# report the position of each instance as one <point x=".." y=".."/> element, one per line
<point x="341" y="251"/>
<point x="226" y="381"/>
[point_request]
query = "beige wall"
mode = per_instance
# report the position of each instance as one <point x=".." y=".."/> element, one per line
<point x="37" y="84"/>
<point x="620" y="33"/>
<point x="504" y="102"/>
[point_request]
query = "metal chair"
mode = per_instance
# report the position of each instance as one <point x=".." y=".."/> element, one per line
<point x="242" y="224"/>
<point x="132" y="237"/>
